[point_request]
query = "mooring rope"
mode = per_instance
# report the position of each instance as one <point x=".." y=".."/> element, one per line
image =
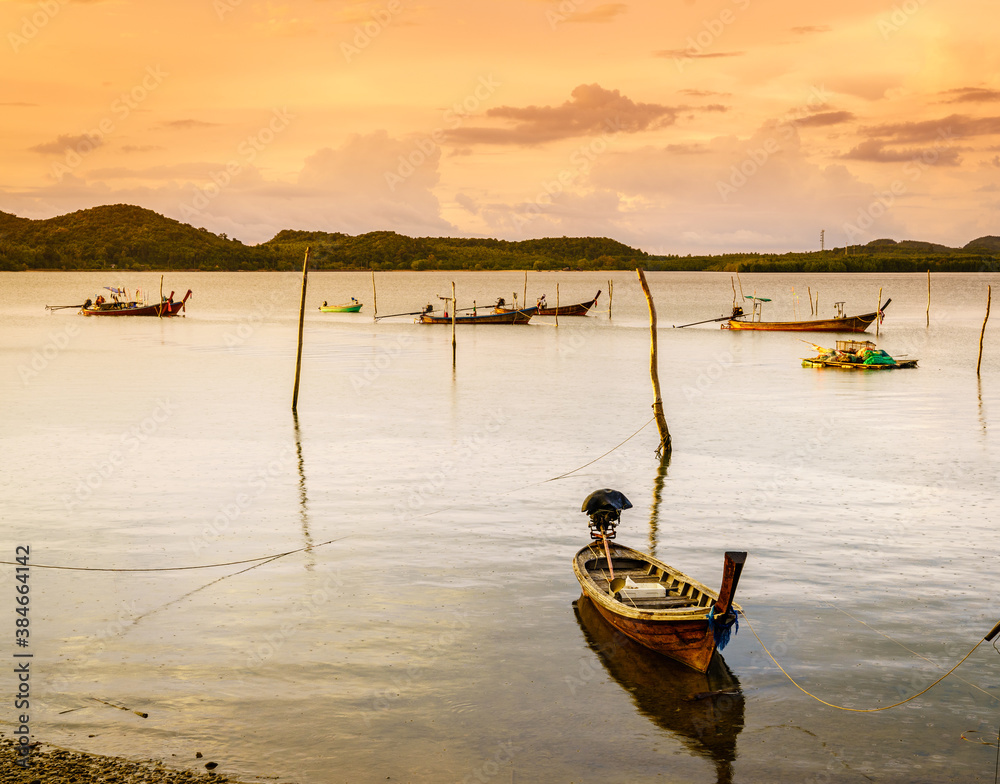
<point x="272" y="557"/>
<point x="915" y="653"/>
<point x="856" y="710"/>
<point x="551" y="479"/>
<point x="562" y="476"/>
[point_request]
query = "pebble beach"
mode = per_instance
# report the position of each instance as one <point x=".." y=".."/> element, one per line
<point x="53" y="765"/>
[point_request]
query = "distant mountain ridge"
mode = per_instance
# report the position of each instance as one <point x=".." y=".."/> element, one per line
<point x="125" y="236"/>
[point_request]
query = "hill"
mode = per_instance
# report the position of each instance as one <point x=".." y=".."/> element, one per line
<point x="124" y="236"/>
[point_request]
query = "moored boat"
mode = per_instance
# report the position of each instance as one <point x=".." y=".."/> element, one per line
<point x="349" y="307"/>
<point x="579" y="309"/>
<point x="650" y="602"/>
<point x="839" y="323"/>
<point x="502" y="317"/>
<point x="122" y="306"/>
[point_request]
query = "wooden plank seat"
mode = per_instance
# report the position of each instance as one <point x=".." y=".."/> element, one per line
<point x="669" y="602"/>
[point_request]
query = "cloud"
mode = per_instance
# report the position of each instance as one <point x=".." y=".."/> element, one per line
<point x="971" y="95"/>
<point x="826" y="118"/>
<point x="195" y="170"/>
<point x="875" y="151"/>
<point x="809" y="29"/>
<point x="187" y="124"/>
<point x="953" y="126"/>
<point x="140" y="147"/>
<point x="344" y="188"/>
<point x="66" y="142"/>
<point x="690" y="54"/>
<point x="704" y="93"/>
<point x="592" y="110"/>
<point x="600" y="14"/>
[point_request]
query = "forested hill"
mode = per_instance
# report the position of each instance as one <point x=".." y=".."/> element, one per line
<point x="128" y="237"/>
<point x="123" y="236"/>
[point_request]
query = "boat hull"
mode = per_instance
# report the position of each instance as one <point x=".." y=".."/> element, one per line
<point x="682" y="632"/>
<point x="168" y="307"/>
<point x="503" y="317"/>
<point x="846" y="324"/>
<point x="580" y="309"/>
<point x="341" y="308"/>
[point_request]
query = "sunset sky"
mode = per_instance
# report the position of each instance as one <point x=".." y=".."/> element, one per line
<point x="675" y="126"/>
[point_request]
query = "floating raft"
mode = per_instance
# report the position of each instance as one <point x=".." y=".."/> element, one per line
<point x="856" y="355"/>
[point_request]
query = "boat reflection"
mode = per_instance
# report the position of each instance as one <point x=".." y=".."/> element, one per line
<point x="703" y="710"/>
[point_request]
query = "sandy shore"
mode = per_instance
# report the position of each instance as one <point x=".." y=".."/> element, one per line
<point x="52" y="765"/>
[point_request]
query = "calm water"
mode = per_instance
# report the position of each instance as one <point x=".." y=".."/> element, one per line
<point x="437" y="639"/>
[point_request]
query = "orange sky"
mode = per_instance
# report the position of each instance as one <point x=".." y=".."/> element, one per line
<point x="676" y="126"/>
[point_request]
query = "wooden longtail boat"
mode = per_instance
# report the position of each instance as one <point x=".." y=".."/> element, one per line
<point x="503" y="317"/>
<point x="580" y="309"/>
<point x="837" y="324"/>
<point x="168" y="307"/>
<point x="704" y="711"/>
<point x="352" y="307"/>
<point x="678" y="625"/>
<point x="654" y="604"/>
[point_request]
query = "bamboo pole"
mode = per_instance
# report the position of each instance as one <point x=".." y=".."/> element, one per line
<point x="810" y="292"/>
<point x="611" y="296"/>
<point x="524" y="299"/>
<point x="878" y="312"/>
<point x="928" y="298"/>
<point x="302" y="318"/>
<point x="159" y="310"/>
<point x="557" y="304"/>
<point x="454" y="307"/>
<point x="665" y="446"/>
<point x="817" y="303"/>
<point x="374" y="297"/>
<point x="989" y="294"/>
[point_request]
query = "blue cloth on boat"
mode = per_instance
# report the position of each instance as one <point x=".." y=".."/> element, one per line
<point x="721" y="629"/>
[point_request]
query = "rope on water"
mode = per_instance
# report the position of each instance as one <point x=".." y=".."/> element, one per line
<point x="271" y="557"/>
<point x="857" y="710"/>
<point x="554" y="478"/>
<point x="562" y="476"/>
<point x="918" y="655"/>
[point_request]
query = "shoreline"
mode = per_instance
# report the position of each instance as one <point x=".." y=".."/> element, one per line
<point x="50" y="764"/>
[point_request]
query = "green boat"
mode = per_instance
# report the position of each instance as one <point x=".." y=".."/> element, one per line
<point x="352" y="307"/>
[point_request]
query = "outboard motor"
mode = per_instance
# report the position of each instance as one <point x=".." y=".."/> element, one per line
<point x="605" y="510"/>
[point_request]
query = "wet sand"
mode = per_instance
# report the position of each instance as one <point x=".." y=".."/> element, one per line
<point x="53" y="765"/>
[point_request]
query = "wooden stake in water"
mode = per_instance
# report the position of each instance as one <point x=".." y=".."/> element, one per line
<point x="810" y="292"/>
<point x="302" y="318"/>
<point x="928" y="298"/>
<point x="661" y="421"/>
<point x="374" y="297"/>
<point x="454" y="308"/>
<point x="989" y="294"/>
<point x="878" y="312"/>
<point x="557" y="304"/>
<point x="159" y="310"/>
<point x="524" y="299"/>
<point x="611" y="296"/>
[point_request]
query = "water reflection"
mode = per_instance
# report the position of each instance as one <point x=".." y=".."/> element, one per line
<point x="979" y="393"/>
<point x="303" y="497"/>
<point x="702" y="710"/>
<point x="654" y="511"/>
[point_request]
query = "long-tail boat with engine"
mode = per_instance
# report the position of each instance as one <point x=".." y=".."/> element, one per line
<point x="654" y="604"/>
